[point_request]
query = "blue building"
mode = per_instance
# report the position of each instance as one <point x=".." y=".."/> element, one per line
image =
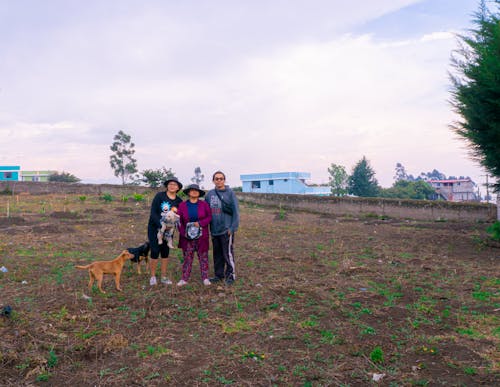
<point x="9" y="173"/>
<point x="281" y="183"/>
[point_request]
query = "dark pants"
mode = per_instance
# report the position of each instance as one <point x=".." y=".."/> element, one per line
<point x="223" y="256"/>
<point x="156" y="249"/>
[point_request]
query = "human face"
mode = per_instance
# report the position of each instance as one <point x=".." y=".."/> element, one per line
<point x="219" y="181"/>
<point x="173" y="187"/>
<point x="193" y="194"/>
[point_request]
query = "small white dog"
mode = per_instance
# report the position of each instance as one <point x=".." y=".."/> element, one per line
<point x="169" y="220"/>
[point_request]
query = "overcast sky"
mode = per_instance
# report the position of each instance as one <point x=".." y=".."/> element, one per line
<point x="242" y="86"/>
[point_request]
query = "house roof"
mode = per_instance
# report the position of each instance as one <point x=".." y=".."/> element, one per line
<point x="450" y="181"/>
<point x="275" y="176"/>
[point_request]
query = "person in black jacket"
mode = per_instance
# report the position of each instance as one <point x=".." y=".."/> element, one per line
<point x="163" y="201"/>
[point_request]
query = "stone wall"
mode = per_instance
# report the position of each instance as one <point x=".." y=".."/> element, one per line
<point x="393" y="208"/>
<point x="44" y="188"/>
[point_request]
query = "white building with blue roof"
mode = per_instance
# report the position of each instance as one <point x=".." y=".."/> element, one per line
<point x="282" y="183"/>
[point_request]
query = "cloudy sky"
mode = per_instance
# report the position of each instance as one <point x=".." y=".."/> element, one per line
<point x="245" y="86"/>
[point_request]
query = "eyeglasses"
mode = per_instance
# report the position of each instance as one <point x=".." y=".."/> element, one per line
<point x="218" y="178"/>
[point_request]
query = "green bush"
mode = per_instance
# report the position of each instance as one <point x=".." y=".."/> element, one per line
<point x="107" y="197"/>
<point x="494" y="231"/>
<point x="139" y="197"/>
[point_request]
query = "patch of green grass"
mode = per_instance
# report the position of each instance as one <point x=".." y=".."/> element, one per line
<point x="154" y="351"/>
<point x="470" y="371"/>
<point x="88" y="335"/>
<point x="311" y="322"/>
<point x="52" y="359"/>
<point x="377" y="355"/>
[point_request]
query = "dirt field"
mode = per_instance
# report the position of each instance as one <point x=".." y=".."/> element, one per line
<point x="319" y="301"/>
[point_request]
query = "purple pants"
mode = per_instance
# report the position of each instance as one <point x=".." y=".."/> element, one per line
<point x="188" y="254"/>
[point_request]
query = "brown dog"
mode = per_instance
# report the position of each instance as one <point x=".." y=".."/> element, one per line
<point x="99" y="268"/>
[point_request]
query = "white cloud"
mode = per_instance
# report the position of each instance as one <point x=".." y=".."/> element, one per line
<point x="249" y="87"/>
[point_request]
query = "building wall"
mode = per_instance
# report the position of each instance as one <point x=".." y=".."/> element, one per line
<point x="36" y="175"/>
<point x="455" y="190"/>
<point x="276" y="182"/>
<point x="9" y="173"/>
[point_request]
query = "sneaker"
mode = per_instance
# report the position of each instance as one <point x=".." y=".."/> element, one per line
<point x="229" y="281"/>
<point x="152" y="281"/>
<point x="166" y="281"/>
<point x="206" y="282"/>
<point x="215" y="280"/>
<point x="181" y="283"/>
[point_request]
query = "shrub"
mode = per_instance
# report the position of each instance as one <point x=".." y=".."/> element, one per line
<point x="494" y="231"/>
<point x="107" y="197"/>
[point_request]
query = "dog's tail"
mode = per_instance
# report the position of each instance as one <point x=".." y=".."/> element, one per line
<point x="83" y="267"/>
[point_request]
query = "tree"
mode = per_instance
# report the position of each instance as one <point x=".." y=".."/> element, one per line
<point x="156" y="177"/>
<point x="362" y="182"/>
<point x="401" y="173"/>
<point x="434" y="175"/>
<point x="405" y="189"/>
<point x="64" y="177"/>
<point x="122" y="161"/>
<point x="198" y="176"/>
<point x="338" y="180"/>
<point x="476" y="89"/>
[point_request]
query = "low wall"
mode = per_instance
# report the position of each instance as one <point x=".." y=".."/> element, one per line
<point x="45" y="188"/>
<point x="393" y="208"/>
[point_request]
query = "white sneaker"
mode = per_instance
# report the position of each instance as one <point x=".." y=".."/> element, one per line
<point x="166" y="281"/>
<point x="181" y="283"/>
<point x="152" y="281"/>
<point x="206" y="282"/>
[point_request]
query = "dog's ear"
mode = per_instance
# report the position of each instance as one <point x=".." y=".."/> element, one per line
<point x="127" y="254"/>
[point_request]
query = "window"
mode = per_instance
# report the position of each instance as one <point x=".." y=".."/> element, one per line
<point x="271" y="182"/>
<point x="7" y="175"/>
<point x="255" y="184"/>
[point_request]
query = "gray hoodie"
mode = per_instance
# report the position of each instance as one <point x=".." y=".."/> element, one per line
<point x="221" y="221"/>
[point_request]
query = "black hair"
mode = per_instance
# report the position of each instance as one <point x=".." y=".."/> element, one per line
<point x="218" y="173"/>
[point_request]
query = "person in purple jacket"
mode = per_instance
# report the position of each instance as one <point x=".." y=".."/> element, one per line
<point x="195" y="216"/>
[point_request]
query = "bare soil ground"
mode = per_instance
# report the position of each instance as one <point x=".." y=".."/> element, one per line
<point x="319" y="301"/>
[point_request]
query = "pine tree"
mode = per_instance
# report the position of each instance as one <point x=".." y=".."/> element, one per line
<point x="476" y="89"/>
<point x="362" y="182"/>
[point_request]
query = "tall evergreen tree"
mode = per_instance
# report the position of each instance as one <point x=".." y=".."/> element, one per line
<point x="362" y="182"/>
<point x="122" y="160"/>
<point x="476" y="88"/>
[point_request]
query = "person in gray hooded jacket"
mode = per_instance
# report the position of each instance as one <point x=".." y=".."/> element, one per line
<point x="225" y="221"/>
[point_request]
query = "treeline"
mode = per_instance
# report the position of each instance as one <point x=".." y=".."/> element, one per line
<point x="362" y="182"/>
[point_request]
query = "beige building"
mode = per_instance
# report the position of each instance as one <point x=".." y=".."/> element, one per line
<point x="36" y="175"/>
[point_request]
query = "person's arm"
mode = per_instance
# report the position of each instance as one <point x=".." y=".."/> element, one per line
<point x="155" y="214"/>
<point x="204" y="213"/>
<point x="183" y="218"/>
<point x="235" y="219"/>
